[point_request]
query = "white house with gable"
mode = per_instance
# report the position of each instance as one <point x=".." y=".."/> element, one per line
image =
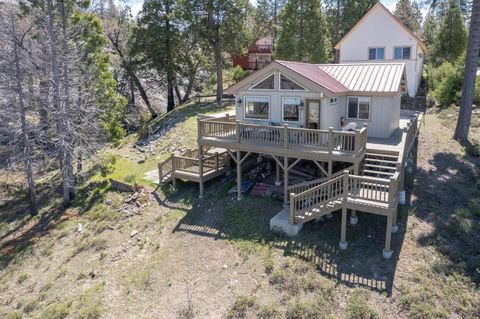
<point x="381" y="37"/>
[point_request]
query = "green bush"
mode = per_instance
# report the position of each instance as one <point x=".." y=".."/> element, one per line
<point x="238" y="73"/>
<point x="473" y="149"/>
<point x="445" y="83"/>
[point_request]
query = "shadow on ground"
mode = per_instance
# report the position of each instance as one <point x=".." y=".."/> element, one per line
<point x="221" y="217"/>
<point x="447" y="196"/>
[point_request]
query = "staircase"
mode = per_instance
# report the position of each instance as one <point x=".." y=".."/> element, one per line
<point x="380" y="164"/>
<point x="374" y="189"/>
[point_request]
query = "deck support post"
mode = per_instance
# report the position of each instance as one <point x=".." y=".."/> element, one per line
<point x="174" y="184"/>
<point x="394" y="222"/>
<point x="330" y="151"/>
<point x="354" y="217"/>
<point x="239" y="175"/>
<point x="200" y="171"/>
<point x="343" y="233"/>
<point x="277" y="174"/>
<point x="285" y="181"/>
<point x="387" y="253"/>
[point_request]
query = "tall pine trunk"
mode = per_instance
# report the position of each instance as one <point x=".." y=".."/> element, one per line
<point x="57" y="105"/>
<point x="468" y="89"/>
<point x="170" y="75"/>
<point x="27" y="155"/>
<point x="218" y="66"/>
<point x="66" y="97"/>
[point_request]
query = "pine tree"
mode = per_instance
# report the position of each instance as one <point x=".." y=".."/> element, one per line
<point x="429" y="31"/>
<point x="266" y="18"/>
<point x="408" y="12"/>
<point x="471" y="64"/>
<point x="303" y="34"/>
<point x="452" y="35"/>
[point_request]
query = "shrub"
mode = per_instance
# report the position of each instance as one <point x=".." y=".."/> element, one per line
<point x="238" y="73"/>
<point x="304" y="310"/>
<point x="446" y="83"/>
<point x="269" y="312"/>
<point x="241" y="306"/>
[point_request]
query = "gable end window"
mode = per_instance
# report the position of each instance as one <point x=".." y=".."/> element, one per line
<point x="291" y="109"/>
<point x="265" y="84"/>
<point x="402" y="53"/>
<point x="287" y="84"/>
<point x="358" y="108"/>
<point x="376" y="53"/>
<point x="257" y="107"/>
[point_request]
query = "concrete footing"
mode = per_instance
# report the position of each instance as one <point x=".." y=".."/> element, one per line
<point x="394" y="228"/>
<point x="280" y="223"/>
<point x="343" y="245"/>
<point x="387" y="254"/>
<point x="353" y="220"/>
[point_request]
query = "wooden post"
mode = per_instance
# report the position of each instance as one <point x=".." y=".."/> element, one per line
<point x="216" y="161"/>
<point x="285" y="135"/>
<point x="160" y="173"/>
<point x="388" y="237"/>
<point x="200" y="170"/>
<point x="174" y="180"/>
<point x="343" y="232"/>
<point x="292" y="209"/>
<point x="345" y="186"/>
<point x="354" y="211"/>
<point x="237" y="130"/>
<point x="330" y="140"/>
<point x="277" y="173"/>
<point x="285" y="181"/>
<point x="239" y="175"/>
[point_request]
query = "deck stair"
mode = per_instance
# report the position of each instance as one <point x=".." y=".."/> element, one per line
<point x="380" y="164"/>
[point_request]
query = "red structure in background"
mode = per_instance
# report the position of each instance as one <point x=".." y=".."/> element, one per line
<point x="258" y="55"/>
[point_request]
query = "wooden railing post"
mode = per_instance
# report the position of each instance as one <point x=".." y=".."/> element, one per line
<point x="199" y="128"/>
<point x="237" y="130"/>
<point x="216" y="161"/>
<point x="292" y="208"/>
<point x="160" y="173"/>
<point x="391" y="192"/>
<point x="285" y="135"/>
<point x="345" y="185"/>
<point x="330" y="140"/>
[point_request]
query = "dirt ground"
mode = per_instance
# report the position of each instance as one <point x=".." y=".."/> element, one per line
<point x="171" y="255"/>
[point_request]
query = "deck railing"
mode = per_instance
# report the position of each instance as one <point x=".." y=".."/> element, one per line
<point x="343" y="188"/>
<point x="301" y="187"/>
<point x="284" y="136"/>
<point x="189" y="162"/>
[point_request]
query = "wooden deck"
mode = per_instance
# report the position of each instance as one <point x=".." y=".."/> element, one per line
<point x="320" y="145"/>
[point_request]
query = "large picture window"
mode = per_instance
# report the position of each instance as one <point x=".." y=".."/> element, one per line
<point x="291" y="109"/>
<point x="287" y="84"/>
<point x="257" y="107"/>
<point x="401" y="53"/>
<point x="266" y="84"/>
<point x="376" y="53"/>
<point x="358" y="108"/>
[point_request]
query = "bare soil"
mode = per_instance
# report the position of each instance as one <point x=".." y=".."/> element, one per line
<point x="175" y="256"/>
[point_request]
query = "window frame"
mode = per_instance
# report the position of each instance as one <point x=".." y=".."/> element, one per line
<point x="376" y="49"/>
<point x="403" y="47"/>
<point x="334" y="98"/>
<point x="283" y="108"/>
<point x="245" y="117"/>
<point x="286" y="90"/>
<point x="369" y="98"/>
<point x="260" y="81"/>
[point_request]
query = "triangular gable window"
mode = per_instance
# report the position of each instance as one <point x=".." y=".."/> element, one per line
<point x="266" y="84"/>
<point x="287" y="84"/>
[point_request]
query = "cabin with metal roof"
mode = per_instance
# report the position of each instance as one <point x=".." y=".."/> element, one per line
<point x="319" y="96"/>
<point x="327" y="137"/>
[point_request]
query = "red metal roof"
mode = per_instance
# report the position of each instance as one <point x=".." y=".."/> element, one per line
<point x="315" y="74"/>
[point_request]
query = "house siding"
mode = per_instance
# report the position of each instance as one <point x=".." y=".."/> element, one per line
<point x="369" y="34"/>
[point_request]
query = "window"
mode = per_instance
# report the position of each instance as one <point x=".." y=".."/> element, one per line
<point x="291" y="109"/>
<point x="266" y="84"/>
<point x="257" y="107"/>
<point x="334" y="100"/>
<point x="376" y="53"/>
<point x="402" y="53"/>
<point x="287" y="84"/>
<point x="358" y="108"/>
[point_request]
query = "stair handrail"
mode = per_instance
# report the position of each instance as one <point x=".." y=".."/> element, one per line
<point x="161" y="172"/>
<point x="304" y="186"/>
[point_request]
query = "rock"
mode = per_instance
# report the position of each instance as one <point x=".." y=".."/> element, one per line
<point x="80" y="228"/>
<point x="133" y="233"/>
<point x="225" y="267"/>
<point x="108" y="202"/>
